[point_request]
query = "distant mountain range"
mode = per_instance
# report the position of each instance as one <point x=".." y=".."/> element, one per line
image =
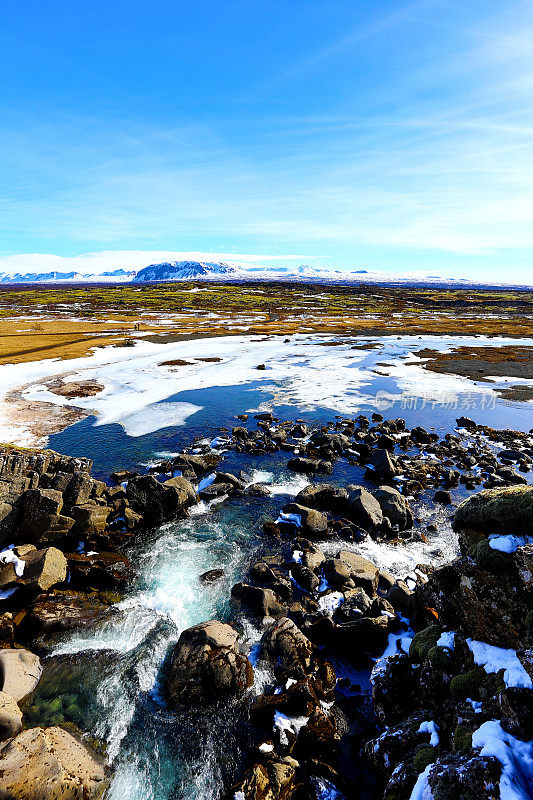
<point x="220" y="271"/>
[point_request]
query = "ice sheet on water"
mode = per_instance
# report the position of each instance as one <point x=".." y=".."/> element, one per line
<point x="155" y="417"/>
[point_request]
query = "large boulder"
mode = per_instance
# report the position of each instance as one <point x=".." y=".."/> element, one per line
<point x="50" y="764"/>
<point x="284" y="643"/>
<point x="508" y="510"/>
<point x="20" y="672"/>
<point x="78" y="489"/>
<point x="394" y="506"/>
<point x="325" y="496"/>
<point x="90" y="518"/>
<point x="272" y="780"/>
<point x="42" y="569"/>
<point x="261" y="601"/>
<point x="312" y="523"/>
<point x="159" y="502"/>
<point x="384" y="465"/>
<point x="364" y="508"/>
<point x="309" y="465"/>
<point x="348" y="570"/>
<point x="206" y="666"/>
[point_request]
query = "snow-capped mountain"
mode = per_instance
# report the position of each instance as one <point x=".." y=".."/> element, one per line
<point x="113" y="276"/>
<point x="223" y="271"/>
<point x="184" y="271"/>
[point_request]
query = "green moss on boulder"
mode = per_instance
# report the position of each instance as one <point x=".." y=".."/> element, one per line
<point x="508" y="510"/>
<point x="423" y="757"/>
<point x="423" y="642"/>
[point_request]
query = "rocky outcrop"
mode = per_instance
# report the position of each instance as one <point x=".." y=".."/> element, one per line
<point x="206" y="666"/>
<point x="486" y="595"/>
<point x="50" y="763"/>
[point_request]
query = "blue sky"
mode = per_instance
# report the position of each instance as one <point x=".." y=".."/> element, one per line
<point x="394" y="136"/>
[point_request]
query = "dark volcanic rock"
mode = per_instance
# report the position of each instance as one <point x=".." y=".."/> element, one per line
<point x="364" y="509"/>
<point x="158" y="502"/>
<point x="206" y="666"/>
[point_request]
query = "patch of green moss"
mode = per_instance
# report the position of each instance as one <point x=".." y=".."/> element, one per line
<point x="489" y="559"/>
<point x="529" y="620"/>
<point x="468" y="684"/>
<point x="441" y="658"/>
<point x="423" y="757"/>
<point x="462" y="737"/>
<point x="423" y="642"/>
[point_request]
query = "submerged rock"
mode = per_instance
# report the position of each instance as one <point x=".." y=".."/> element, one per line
<point x="206" y="666"/>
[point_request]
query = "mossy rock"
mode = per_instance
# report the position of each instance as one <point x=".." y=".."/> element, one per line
<point x="489" y="559"/>
<point x="468" y="684"/>
<point x="441" y="658"/>
<point x="424" y="756"/>
<point x="505" y="510"/>
<point x="529" y="620"/>
<point x="462" y="737"/>
<point x="423" y="642"/>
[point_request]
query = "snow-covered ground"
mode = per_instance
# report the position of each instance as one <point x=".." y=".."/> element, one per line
<point x="302" y="373"/>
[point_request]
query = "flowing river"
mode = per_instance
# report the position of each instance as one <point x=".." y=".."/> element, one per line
<point x="107" y="679"/>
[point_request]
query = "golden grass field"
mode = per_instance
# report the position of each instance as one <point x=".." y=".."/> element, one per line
<point x="69" y="321"/>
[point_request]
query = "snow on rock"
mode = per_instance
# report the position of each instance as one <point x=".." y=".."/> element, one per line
<point x="295" y="519"/>
<point x="9" y="557"/>
<point x="515" y="756"/>
<point x="493" y="659"/>
<point x="285" y="724"/>
<point x="422" y="789"/>
<point x="509" y="544"/>
<point x="430" y="727"/>
<point x="329" y="603"/>
<point x="446" y="639"/>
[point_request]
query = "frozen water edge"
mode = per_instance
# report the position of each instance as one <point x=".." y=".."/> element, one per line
<point x="136" y="381"/>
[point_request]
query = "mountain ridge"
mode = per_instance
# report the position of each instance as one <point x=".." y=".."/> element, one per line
<point x="168" y="271"/>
